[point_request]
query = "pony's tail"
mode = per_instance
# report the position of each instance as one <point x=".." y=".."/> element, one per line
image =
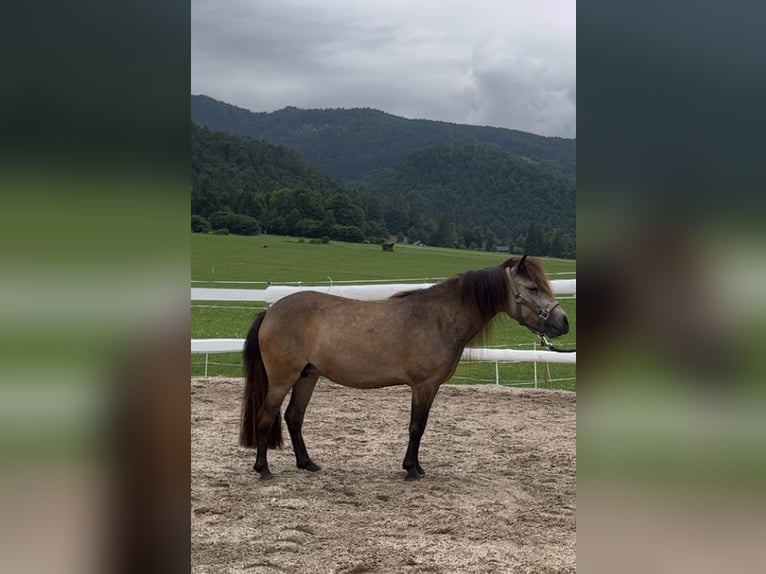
<point x="256" y="386"/>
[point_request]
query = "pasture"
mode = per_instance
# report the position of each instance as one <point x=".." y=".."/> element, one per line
<point x="283" y="260"/>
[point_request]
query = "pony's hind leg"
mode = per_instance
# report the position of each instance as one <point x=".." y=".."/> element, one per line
<point x="299" y="400"/>
<point x="267" y="431"/>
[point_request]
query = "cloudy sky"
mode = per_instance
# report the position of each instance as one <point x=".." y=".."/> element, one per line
<point x="507" y="63"/>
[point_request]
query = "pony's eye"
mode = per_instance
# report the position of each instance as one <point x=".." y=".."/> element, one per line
<point x="533" y="289"/>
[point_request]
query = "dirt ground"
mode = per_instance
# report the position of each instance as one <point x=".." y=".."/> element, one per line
<point x="498" y="495"/>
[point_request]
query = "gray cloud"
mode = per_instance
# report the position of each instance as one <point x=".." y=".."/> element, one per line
<point x="495" y="62"/>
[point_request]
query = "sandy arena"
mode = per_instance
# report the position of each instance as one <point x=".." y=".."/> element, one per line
<point x="498" y="495"/>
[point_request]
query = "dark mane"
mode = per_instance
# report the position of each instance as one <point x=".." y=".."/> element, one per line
<point x="409" y="292"/>
<point x="484" y="293"/>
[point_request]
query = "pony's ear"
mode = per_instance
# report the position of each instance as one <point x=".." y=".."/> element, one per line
<point x="522" y="266"/>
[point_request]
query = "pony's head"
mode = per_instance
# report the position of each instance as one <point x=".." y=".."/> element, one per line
<point x="531" y="301"/>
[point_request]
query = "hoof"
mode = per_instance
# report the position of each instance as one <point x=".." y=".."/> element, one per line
<point x="310" y="466"/>
<point x="412" y="475"/>
<point x="264" y="472"/>
<point x="421" y="472"/>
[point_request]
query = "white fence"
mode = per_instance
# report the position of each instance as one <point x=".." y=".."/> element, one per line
<point x="273" y="293"/>
<point x="213" y="346"/>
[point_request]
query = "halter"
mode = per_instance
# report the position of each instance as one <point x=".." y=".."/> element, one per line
<point x="542" y="313"/>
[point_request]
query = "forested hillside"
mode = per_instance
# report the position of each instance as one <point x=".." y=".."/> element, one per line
<point x="473" y="194"/>
<point x="352" y="144"/>
<point x="452" y="195"/>
<point x="247" y="186"/>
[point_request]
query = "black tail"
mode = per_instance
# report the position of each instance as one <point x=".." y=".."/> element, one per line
<point x="256" y="386"/>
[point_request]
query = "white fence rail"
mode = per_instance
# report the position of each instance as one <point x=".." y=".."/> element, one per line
<point x="274" y="293"/>
<point x="212" y="346"/>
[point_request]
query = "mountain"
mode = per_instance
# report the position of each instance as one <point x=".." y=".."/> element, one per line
<point x="463" y="195"/>
<point x="240" y="165"/>
<point x="352" y="144"/>
<point x="244" y="185"/>
<point x="474" y="187"/>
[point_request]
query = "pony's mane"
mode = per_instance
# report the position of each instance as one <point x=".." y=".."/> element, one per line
<point x="485" y="292"/>
<point x="482" y="294"/>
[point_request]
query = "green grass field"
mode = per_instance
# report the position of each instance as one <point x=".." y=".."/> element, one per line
<point x="281" y="259"/>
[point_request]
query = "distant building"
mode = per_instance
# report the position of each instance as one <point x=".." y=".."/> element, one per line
<point x="502" y="249"/>
<point x="388" y="246"/>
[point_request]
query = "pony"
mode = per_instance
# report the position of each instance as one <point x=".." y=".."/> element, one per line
<point x="414" y="338"/>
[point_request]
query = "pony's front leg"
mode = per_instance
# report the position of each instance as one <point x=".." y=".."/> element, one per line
<point x="422" y="399"/>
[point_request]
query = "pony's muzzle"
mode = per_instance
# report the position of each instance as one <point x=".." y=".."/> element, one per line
<point x="557" y="324"/>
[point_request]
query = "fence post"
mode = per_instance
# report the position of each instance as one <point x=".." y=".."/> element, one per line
<point x="497" y="374"/>
<point x="534" y="365"/>
<point x="206" y="356"/>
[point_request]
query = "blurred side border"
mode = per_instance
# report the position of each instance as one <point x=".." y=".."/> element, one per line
<point x="671" y="425"/>
<point x="94" y="319"/>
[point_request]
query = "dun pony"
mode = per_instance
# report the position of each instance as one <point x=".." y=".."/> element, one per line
<point x="415" y="338"/>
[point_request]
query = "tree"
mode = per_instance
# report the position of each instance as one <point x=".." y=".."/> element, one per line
<point x="569" y="250"/>
<point x="245" y="225"/>
<point x="276" y="225"/>
<point x="374" y="229"/>
<point x="556" y="244"/>
<point x="205" y="198"/>
<point x="199" y="224"/>
<point x="309" y="228"/>
<point x="344" y="210"/>
<point x="347" y="233"/>
<point x="291" y="221"/>
<point x="396" y="219"/>
<point x="444" y="236"/>
<point x="490" y="241"/>
<point x="535" y="243"/>
<point x="252" y="204"/>
<point x="236" y="223"/>
<point x="473" y="236"/>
